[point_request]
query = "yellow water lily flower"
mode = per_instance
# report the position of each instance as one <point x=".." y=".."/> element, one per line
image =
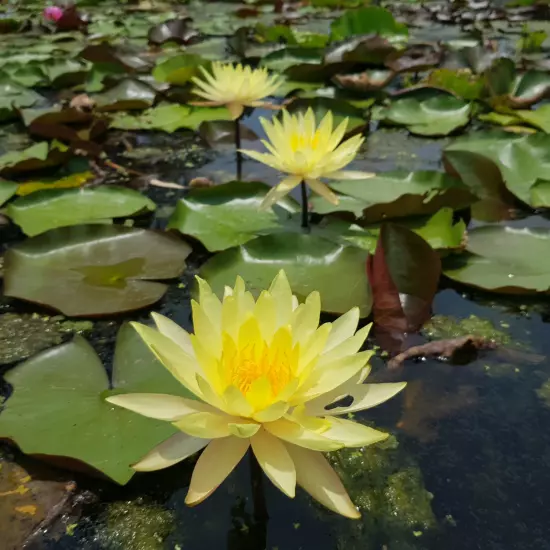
<point x="307" y="152"/>
<point x="264" y="372"/>
<point x="236" y="87"/>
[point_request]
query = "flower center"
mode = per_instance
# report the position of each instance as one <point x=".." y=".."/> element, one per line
<point x="257" y="361"/>
<point x="299" y="142"/>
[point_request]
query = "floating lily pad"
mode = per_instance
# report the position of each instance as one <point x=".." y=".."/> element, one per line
<point x="12" y="97"/>
<point x="293" y="37"/>
<point x="369" y="20"/>
<point x="93" y="269"/>
<point x="436" y="116"/>
<point x="504" y="259"/>
<point x="312" y="263"/>
<point x="48" y="209"/>
<point x="7" y="190"/>
<point x="179" y="69"/>
<point x="170" y="118"/>
<point x="489" y="162"/>
<point x="462" y="82"/>
<point x="68" y="182"/>
<point x="58" y="411"/>
<point x="127" y="95"/>
<point x="228" y="215"/>
<point x="372" y="49"/>
<point x="396" y="195"/>
<point x="174" y="30"/>
<point x="38" y="156"/>
<point x="298" y="64"/>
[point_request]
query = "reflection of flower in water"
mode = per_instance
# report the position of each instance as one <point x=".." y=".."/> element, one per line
<point x="425" y="403"/>
<point x="53" y="13"/>
<point x="264" y="372"/>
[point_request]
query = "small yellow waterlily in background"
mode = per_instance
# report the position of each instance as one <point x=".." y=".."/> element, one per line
<point x="236" y="87"/>
<point x="307" y="152"/>
<point x="264" y="372"/>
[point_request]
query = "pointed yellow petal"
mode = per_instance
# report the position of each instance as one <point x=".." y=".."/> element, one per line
<point x="353" y="434"/>
<point x="210" y="303"/>
<point x="273" y="412"/>
<point x="347" y="347"/>
<point x="265" y="313"/>
<point x="365" y="396"/>
<point x="236" y="403"/>
<point x="324" y="190"/>
<point x="175" y="449"/>
<point x="295" y="433"/>
<point x="245" y="430"/>
<point x="206" y="332"/>
<point x="235" y="110"/>
<point x="315" y="475"/>
<point x="282" y="295"/>
<point x="313" y="348"/>
<point x="158" y="405"/>
<point x="305" y="319"/>
<point x="284" y="187"/>
<point x="216" y="462"/>
<point x="343" y="328"/>
<point x="174" y="331"/>
<point x="260" y="395"/>
<point x="206" y="425"/>
<point x="275" y="462"/>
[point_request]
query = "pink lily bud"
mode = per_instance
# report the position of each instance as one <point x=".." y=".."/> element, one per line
<point x="53" y="13"/>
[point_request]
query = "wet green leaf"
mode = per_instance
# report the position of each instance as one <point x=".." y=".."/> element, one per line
<point x="493" y="163"/>
<point x="127" y="95"/>
<point x="504" y="259"/>
<point x="293" y="37"/>
<point x="38" y="156"/>
<point x="298" y="64"/>
<point x="396" y="195"/>
<point x="14" y="96"/>
<point x="436" y="116"/>
<point x="179" y="69"/>
<point x="228" y="215"/>
<point x="93" y="269"/>
<point x="369" y="20"/>
<point x="311" y="263"/>
<point x="58" y="410"/>
<point x="48" y="209"/>
<point x="460" y="82"/>
<point x="170" y="118"/>
<point x="7" y="190"/>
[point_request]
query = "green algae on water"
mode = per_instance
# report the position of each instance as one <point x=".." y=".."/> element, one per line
<point x="441" y="327"/>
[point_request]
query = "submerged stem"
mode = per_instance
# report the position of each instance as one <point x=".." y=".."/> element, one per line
<point x="258" y="494"/>
<point x="237" y="147"/>
<point x="305" y="209"/>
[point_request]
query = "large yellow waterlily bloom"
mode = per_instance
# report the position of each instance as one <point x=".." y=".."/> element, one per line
<point x="307" y="152"/>
<point x="264" y="373"/>
<point x="235" y="86"/>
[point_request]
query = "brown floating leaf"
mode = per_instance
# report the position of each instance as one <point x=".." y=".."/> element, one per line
<point x="174" y="30"/>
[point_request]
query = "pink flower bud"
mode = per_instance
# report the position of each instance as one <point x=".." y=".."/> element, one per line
<point x="53" y="13"/>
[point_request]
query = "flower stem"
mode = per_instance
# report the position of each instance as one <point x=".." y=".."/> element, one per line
<point x="305" y="209"/>
<point x="237" y="147"/>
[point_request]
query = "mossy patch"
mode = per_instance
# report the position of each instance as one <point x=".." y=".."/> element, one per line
<point x="441" y="327"/>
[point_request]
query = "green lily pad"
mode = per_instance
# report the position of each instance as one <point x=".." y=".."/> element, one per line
<point x="518" y="90"/>
<point x="439" y="115"/>
<point x="58" y="410"/>
<point x="14" y="96"/>
<point x="170" y="118"/>
<point x="48" y="209"/>
<point x="7" y="190"/>
<point x="489" y="162"/>
<point x="504" y="259"/>
<point x="179" y="70"/>
<point x="539" y="117"/>
<point x="369" y="20"/>
<point x="461" y="82"/>
<point x="127" y="95"/>
<point x="298" y="64"/>
<point x="93" y="269"/>
<point x="228" y="215"/>
<point x="293" y="37"/>
<point x="311" y="263"/>
<point x="36" y="157"/>
<point x="397" y="195"/>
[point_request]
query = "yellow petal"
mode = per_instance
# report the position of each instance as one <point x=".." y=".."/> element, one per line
<point x="347" y="347"/>
<point x="314" y="346"/>
<point x="265" y="313"/>
<point x="260" y="395"/>
<point x="174" y="331"/>
<point x="315" y="475"/>
<point x="216" y="462"/>
<point x="206" y="425"/>
<point x="158" y="405"/>
<point x="331" y="376"/>
<point x="175" y="449"/>
<point x="353" y="434"/>
<point x="305" y="319"/>
<point x="242" y="429"/>
<point x="210" y="303"/>
<point x="271" y="413"/>
<point x="235" y="110"/>
<point x="236" y="403"/>
<point x="275" y="461"/>
<point x="282" y="295"/>
<point x="180" y="364"/>
<point x="285" y="186"/>
<point x="295" y="433"/>
<point x="365" y="396"/>
<point x="324" y="190"/>
<point x="343" y="328"/>
<point x="206" y="332"/>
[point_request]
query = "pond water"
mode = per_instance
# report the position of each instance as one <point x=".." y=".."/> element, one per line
<point x="467" y="464"/>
